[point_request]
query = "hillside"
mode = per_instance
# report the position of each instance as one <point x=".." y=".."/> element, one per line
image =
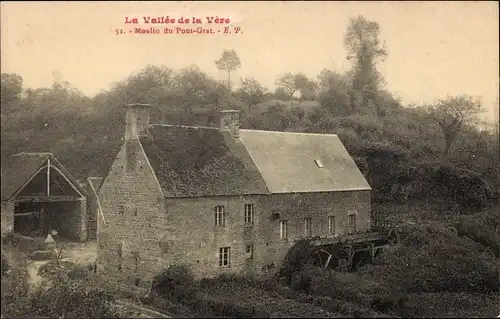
<point x="446" y="189"/>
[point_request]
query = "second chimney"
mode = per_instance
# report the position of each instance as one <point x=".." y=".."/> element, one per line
<point x="137" y="120"/>
<point x="230" y="120"/>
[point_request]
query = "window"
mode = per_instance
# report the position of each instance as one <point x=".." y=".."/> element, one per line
<point x="283" y="229"/>
<point x="224" y="256"/>
<point x="119" y="250"/>
<point x="307" y="227"/>
<point x="137" y="259"/>
<point x="318" y="162"/>
<point x="163" y="247"/>
<point x="220" y="219"/>
<point x="248" y="213"/>
<point x="249" y="251"/>
<point x="352" y="222"/>
<point x="331" y="225"/>
<point x="121" y="209"/>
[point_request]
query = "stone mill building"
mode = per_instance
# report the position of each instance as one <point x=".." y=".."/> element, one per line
<point x="221" y="199"/>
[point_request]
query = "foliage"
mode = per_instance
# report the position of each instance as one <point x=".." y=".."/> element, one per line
<point x="229" y="61"/>
<point x="251" y="91"/>
<point x="431" y="261"/>
<point x="458" y="305"/>
<point x="15" y="288"/>
<point x="292" y="83"/>
<point x="175" y="283"/>
<point x="433" y="258"/>
<point x="363" y="46"/>
<point x="71" y="293"/>
<point x="483" y="228"/>
<point x="452" y="113"/>
<point x="295" y="259"/>
<point x="24" y="244"/>
<point x="302" y="279"/>
<point x="11" y="89"/>
<point x="5" y="264"/>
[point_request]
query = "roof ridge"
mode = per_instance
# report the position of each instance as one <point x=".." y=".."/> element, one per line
<point x="186" y="126"/>
<point x="34" y="154"/>
<point x="297" y="133"/>
<point x="246" y="130"/>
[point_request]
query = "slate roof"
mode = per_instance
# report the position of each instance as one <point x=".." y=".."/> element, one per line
<point x="19" y="168"/>
<point x="206" y="161"/>
<point x="286" y="161"/>
<point x="200" y="161"/>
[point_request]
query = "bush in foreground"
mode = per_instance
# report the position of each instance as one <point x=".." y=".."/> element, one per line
<point x="15" y="290"/>
<point x="5" y="264"/>
<point x="67" y="296"/>
<point x="64" y="292"/>
<point x="176" y="283"/>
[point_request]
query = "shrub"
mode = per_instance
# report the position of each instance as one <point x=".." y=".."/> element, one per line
<point x="5" y="264"/>
<point x="482" y="228"/>
<point x="222" y="308"/>
<point x="442" y="263"/>
<point x="175" y="283"/>
<point x="464" y="186"/>
<point x="15" y="289"/>
<point x="24" y="244"/>
<point x="306" y="278"/>
<point x="458" y="305"/>
<point x="66" y="294"/>
<point x="295" y="259"/>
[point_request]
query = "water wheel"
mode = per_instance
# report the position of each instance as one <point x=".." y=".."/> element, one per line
<point x="393" y="237"/>
<point x="320" y="258"/>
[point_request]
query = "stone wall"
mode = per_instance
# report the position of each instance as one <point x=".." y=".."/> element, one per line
<point x="134" y="215"/>
<point x="69" y="218"/>
<point x="7" y="211"/>
<point x="192" y="237"/>
<point x="149" y="234"/>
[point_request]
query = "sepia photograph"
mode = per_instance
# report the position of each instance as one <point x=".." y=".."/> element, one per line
<point x="250" y="159"/>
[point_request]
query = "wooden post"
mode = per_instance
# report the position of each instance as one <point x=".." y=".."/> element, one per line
<point x="328" y="260"/>
<point x="350" y="254"/>
<point x="372" y="253"/>
<point x="48" y="177"/>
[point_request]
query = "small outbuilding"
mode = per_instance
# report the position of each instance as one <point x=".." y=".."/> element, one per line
<point x="39" y="195"/>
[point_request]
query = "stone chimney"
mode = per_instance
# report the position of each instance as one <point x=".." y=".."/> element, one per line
<point x="137" y="120"/>
<point x="230" y="120"/>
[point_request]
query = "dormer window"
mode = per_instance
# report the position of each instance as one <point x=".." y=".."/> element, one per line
<point x="318" y="162"/>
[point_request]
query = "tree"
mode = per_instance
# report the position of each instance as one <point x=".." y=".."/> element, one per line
<point x="191" y="88"/>
<point x="452" y="113"/>
<point x="229" y="61"/>
<point x="148" y="85"/>
<point x="334" y="93"/>
<point x="12" y="88"/>
<point x="281" y="94"/>
<point x="292" y="83"/>
<point x="287" y="82"/>
<point x="305" y="86"/>
<point x="215" y="95"/>
<point x="251" y="91"/>
<point x="363" y="46"/>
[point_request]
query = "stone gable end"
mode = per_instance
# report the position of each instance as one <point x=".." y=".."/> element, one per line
<point x="134" y="214"/>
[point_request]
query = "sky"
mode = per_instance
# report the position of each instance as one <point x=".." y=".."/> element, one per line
<point x="435" y="48"/>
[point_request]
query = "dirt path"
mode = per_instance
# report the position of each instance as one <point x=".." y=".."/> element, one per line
<point x="82" y="253"/>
